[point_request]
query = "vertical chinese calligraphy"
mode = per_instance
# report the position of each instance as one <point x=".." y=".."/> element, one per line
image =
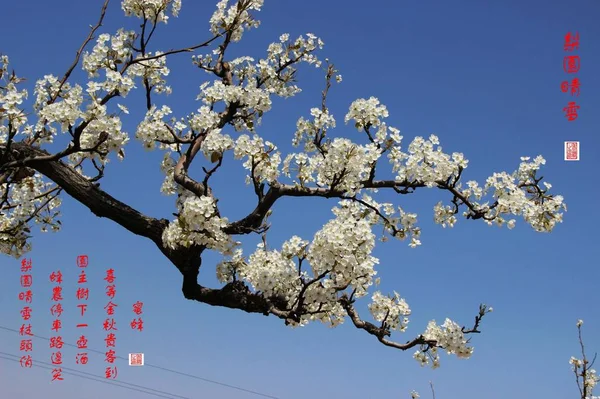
<point x="82" y="294"/>
<point x="137" y="324"/>
<point x="26" y="296"/>
<point x="110" y="325"/>
<point x="137" y="359"/>
<point x="56" y="341"/>
<point x="571" y="65"/>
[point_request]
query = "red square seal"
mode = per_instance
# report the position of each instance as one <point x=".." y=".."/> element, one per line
<point x="82" y="260"/>
<point x="136" y="359"/>
<point x="571" y="150"/>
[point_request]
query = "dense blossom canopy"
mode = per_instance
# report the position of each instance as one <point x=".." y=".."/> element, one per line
<point x="304" y="280"/>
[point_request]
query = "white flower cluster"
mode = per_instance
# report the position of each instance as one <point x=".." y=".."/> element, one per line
<point x="274" y="79"/>
<point x="408" y="221"/>
<point x="153" y="70"/>
<point x="591" y="376"/>
<point x="204" y="119"/>
<point x="343" y="248"/>
<point x="339" y="257"/>
<point x="517" y="194"/>
<point x="282" y="52"/>
<point x="381" y="135"/>
<point x="306" y="130"/>
<point x="61" y="104"/>
<point x="391" y="310"/>
<point x="444" y="215"/>
<point x="26" y="196"/>
<point x="216" y="143"/>
<point x="198" y="224"/>
<point x="271" y="273"/>
<point x="106" y="55"/>
<point x="344" y="166"/>
<point x="224" y="17"/>
<point x="167" y="166"/>
<point x="249" y="96"/>
<point x="275" y="273"/>
<point x="262" y="160"/>
<point x="302" y="165"/>
<point x="65" y="110"/>
<point x="10" y="100"/>
<point x="449" y="336"/>
<point x="151" y="9"/>
<point x="153" y="127"/>
<point x="115" y="141"/>
<point x="366" y="113"/>
<point x="423" y="162"/>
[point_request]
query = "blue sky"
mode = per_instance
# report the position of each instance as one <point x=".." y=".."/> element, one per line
<point x="485" y="77"/>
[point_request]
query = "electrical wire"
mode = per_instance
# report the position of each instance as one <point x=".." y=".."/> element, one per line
<point x="121" y="384"/>
<point x="164" y="369"/>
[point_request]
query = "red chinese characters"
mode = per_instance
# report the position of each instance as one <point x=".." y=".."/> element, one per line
<point x="82" y="342"/>
<point x="571" y="65"/>
<point x="571" y="41"/>
<point x="25" y="330"/>
<point x="110" y="325"/>
<point x="573" y="86"/>
<point x="26" y="296"/>
<point x="111" y="372"/>
<point x="137" y="359"/>
<point x="81" y="358"/>
<point x="56" y="342"/>
<point x="82" y="261"/>
<point x="26" y="344"/>
<point x="137" y="324"/>
<point x="57" y="374"/>
<point x="82" y="294"/>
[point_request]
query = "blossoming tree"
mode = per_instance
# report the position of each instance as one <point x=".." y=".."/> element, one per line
<point x="585" y="376"/>
<point x="305" y="280"/>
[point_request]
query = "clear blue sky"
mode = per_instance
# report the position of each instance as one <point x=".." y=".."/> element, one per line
<point x="484" y="76"/>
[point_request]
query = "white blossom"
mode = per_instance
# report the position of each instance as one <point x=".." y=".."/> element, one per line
<point x="198" y="224"/>
<point x="391" y="310"/>
<point x="448" y="336"/>
<point x="153" y="10"/>
<point x="310" y="276"/>
<point x="262" y="160"/>
<point x="225" y="17"/>
<point x="215" y="142"/>
<point x="366" y="113"/>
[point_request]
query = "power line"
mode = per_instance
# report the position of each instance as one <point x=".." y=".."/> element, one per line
<point x="99" y="379"/>
<point x="93" y="375"/>
<point x="164" y="369"/>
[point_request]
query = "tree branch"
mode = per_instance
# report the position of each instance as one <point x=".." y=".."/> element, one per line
<point x="99" y="202"/>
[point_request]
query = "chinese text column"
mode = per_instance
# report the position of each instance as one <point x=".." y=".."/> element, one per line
<point x="56" y="341"/>
<point x="82" y="294"/>
<point x="137" y="359"/>
<point x="27" y="297"/>
<point x="110" y="325"/>
<point x="571" y="65"/>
